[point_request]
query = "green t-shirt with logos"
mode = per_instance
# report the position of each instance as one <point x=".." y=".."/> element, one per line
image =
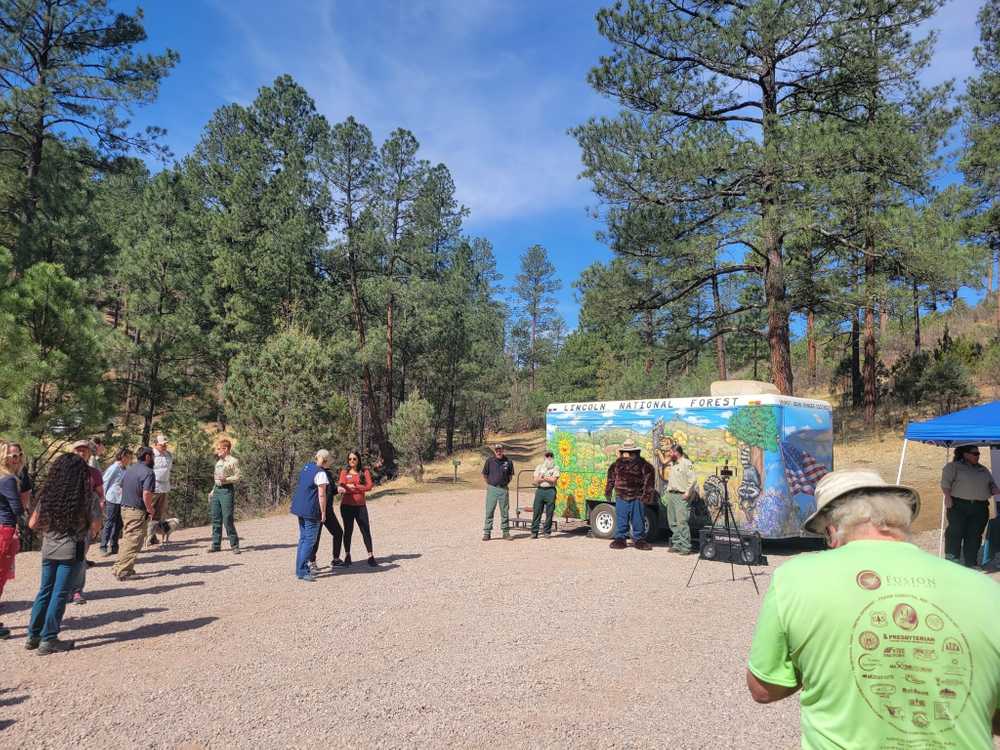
<point x="894" y="648"/>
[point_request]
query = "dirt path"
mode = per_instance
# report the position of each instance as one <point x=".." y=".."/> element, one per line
<point x="450" y="642"/>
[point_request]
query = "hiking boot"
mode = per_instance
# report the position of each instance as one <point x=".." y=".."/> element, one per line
<point x="125" y="575"/>
<point x="683" y="552"/>
<point x="618" y="544"/>
<point x="31" y="642"/>
<point x="373" y="562"/>
<point x="153" y="540"/>
<point x="313" y="568"/>
<point x="534" y="536"/>
<point x="308" y="578"/>
<point x="4" y="632"/>
<point x="214" y="549"/>
<point x="90" y="563"/>
<point x="54" y="646"/>
<point x="336" y="562"/>
<point x="78" y="598"/>
<point x="486" y="537"/>
<point x="347" y="561"/>
<point x="641" y="544"/>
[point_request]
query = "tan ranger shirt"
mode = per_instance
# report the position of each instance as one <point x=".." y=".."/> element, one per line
<point x="227" y="470"/>
<point x="682" y="476"/>
<point x="968" y="482"/>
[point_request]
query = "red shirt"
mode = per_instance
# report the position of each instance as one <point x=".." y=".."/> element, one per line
<point x="96" y="481"/>
<point x="356" y="490"/>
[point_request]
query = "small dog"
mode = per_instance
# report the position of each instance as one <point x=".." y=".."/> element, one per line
<point x="163" y="528"/>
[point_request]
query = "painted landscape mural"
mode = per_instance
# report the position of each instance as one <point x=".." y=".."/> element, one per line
<point x="777" y="453"/>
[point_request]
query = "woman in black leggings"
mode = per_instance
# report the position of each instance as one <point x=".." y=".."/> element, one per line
<point x="355" y="481"/>
<point x="333" y="526"/>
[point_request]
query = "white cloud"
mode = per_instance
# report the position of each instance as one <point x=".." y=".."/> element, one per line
<point x="490" y="113"/>
<point x="698" y="421"/>
<point x="725" y="414"/>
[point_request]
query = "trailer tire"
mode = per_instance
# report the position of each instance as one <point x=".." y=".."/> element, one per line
<point x="602" y="521"/>
<point x="653" y="530"/>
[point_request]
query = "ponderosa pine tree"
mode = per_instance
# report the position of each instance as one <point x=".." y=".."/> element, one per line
<point x="69" y="66"/>
<point x="711" y="135"/>
<point x="534" y="293"/>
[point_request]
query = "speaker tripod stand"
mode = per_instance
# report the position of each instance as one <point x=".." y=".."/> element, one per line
<point x="729" y="530"/>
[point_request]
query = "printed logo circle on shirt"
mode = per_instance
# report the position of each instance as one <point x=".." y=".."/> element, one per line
<point x="905" y="616"/>
<point x="914" y="671"/>
<point x="868" y="640"/>
<point x="869" y="580"/>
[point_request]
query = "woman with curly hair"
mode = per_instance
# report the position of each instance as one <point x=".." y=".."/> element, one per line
<point x="66" y="514"/>
<point x="10" y="511"/>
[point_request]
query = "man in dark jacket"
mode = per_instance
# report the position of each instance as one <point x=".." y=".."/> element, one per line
<point x="631" y="478"/>
<point x="497" y="471"/>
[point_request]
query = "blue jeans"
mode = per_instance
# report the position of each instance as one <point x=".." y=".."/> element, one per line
<point x="50" y="604"/>
<point x="629" y="511"/>
<point x="112" y="527"/>
<point x="308" y="534"/>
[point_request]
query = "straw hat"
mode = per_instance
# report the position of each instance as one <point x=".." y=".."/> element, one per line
<point x="629" y="446"/>
<point x="838" y="483"/>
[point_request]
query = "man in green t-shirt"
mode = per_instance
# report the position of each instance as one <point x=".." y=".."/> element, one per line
<point x="891" y="647"/>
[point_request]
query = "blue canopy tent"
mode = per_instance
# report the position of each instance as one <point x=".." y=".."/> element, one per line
<point x="977" y="425"/>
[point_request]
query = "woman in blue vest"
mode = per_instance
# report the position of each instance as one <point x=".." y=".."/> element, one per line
<point x="309" y="504"/>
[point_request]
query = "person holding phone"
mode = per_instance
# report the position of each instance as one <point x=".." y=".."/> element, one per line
<point x="355" y="481"/>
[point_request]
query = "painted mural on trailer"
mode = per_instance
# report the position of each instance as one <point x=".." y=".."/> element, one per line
<point x="778" y="452"/>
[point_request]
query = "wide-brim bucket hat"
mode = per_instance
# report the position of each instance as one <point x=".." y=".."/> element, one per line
<point x="842" y="482"/>
<point x="629" y="446"/>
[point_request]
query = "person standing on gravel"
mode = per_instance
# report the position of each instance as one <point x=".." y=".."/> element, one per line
<point x="67" y="516"/>
<point x="968" y="487"/>
<point x="10" y="513"/>
<point x="222" y="500"/>
<point x="113" y="477"/>
<point x="546" y="475"/>
<point x="497" y="471"/>
<point x="682" y="484"/>
<point x="138" y="489"/>
<point x="163" y="463"/>
<point x="890" y="646"/>
<point x="631" y="478"/>
<point x="309" y="504"/>
<point x="86" y="449"/>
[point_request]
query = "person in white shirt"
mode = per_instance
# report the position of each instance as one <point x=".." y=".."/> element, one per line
<point x="546" y="476"/>
<point x="163" y="462"/>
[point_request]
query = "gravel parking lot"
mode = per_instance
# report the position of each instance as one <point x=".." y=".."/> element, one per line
<point x="449" y="642"/>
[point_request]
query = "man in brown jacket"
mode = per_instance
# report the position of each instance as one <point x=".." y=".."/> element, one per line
<point x="631" y="479"/>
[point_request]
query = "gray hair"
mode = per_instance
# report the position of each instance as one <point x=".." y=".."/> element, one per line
<point x="887" y="511"/>
<point x="323" y="457"/>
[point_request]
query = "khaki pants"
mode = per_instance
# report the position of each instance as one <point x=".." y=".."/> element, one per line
<point x="159" y="506"/>
<point x="133" y="537"/>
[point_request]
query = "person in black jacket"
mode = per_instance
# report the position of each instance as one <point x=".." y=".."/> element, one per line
<point x="497" y="471"/>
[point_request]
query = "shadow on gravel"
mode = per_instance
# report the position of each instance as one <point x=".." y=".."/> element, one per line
<point x="106" y="618"/>
<point x="188" y="543"/>
<point x="187" y="570"/>
<point x="362" y="567"/>
<point x="153" y="630"/>
<point x="15" y="605"/>
<point x="163" y="558"/>
<point x="151" y="591"/>
<point x="10" y="700"/>
<point x="264" y="547"/>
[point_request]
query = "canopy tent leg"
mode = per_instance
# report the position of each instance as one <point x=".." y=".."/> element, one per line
<point x="902" y="457"/>
<point x="941" y="540"/>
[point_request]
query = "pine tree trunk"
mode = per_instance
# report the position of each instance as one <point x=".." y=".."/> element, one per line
<point x="388" y="356"/>
<point x="778" y="335"/>
<point x="811" y="345"/>
<point x="870" y="365"/>
<point x="720" y="339"/>
<point x="916" y="317"/>
<point x="857" y="390"/>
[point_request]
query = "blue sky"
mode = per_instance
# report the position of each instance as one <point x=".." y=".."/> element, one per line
<point x="489" y="87"/>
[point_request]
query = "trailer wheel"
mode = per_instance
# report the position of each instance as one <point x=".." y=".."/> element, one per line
<point x="653" y="530"/>
<point x="602" y="521"/>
